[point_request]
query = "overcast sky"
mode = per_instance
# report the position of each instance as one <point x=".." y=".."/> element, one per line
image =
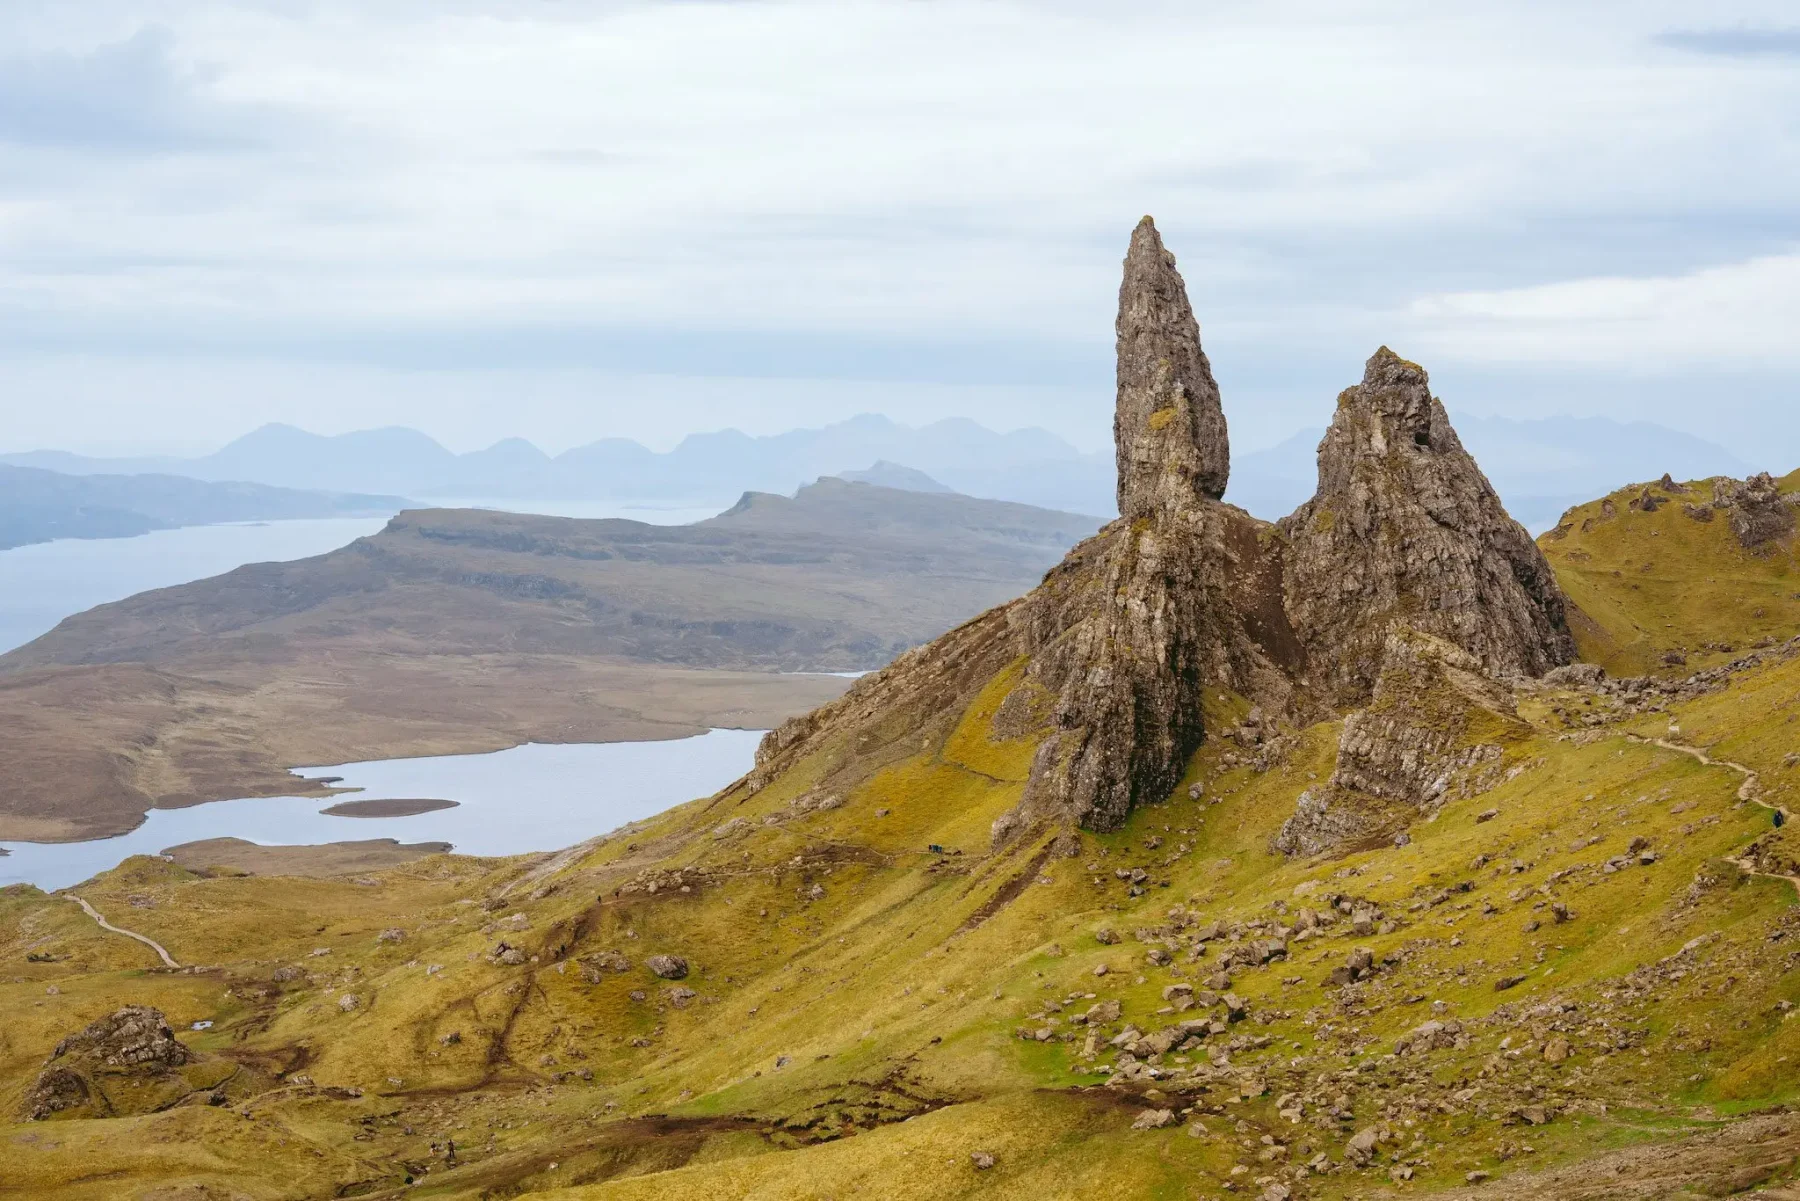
<point x="567" y="220"/>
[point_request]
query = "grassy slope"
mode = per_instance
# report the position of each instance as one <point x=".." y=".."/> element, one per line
<point x="1650" y="583"/>
<point x="895" y="991"/>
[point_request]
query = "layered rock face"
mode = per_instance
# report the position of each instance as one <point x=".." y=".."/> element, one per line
<point x="1127" y="634"/>
<point x="1169" y="429"/>
<point x="1434" y="716"/>
<point x="1405" y="528"/>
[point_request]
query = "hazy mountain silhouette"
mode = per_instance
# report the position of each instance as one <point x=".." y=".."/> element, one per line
<point x="1538" y="466"/>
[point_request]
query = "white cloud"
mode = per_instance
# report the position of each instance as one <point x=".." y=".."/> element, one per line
<point x="1739" y="314"/>
<point x="838" y="169"/>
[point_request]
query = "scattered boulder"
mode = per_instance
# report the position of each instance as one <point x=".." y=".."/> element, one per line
<point x="1360" y="965"/>
<point x="1154" y="1119"/>
<point x="668" y="967"/>
<point x="1576" y="675"/>
<point x="983" y="1160"/>
<point x="595" y="968"/>
<point x="1434" y="1035"/>
<point x="1360" y="1150"/>
<point x="1103" y="1013"/>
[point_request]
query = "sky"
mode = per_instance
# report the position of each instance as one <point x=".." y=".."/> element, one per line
<point x="566" y="220"/>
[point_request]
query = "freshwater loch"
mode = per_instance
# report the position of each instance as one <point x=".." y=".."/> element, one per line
<point x="536" y="797"/>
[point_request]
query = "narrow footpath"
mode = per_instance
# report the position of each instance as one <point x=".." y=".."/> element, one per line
<point x="1750" y="790"/>
<point x="168" y="959"/>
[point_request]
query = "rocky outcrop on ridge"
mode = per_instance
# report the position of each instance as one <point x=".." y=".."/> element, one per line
<point x="105" y="1069"/>
<point x="1405" y="528"/>
<point x="1757" y="511"/>
<point x="1127" y="634"/>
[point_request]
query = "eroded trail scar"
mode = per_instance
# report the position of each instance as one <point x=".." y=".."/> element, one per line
<point x="168" y="959"/>
<point x="1750" y="790"/>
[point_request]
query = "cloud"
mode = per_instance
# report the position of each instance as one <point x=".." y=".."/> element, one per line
<point x="876" y="189"/>
<point x="127" y="95"/>
<point x="1742" y="42"/>
<point x="1739" y="314"/>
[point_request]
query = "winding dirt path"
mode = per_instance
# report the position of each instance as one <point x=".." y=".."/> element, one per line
<point x="1750" y="790"/>
<point x="168" y="959"/>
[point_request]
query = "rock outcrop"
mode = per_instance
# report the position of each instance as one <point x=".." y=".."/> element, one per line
<point x="1127" y="635"/>
<point x="1434" y="717"/>
<point x="1169" y="428"/>
<point x="1179" y="595"/>
<point x="1757" y="511"/>
<point x="120" y="1064"/>
<point x="1406" y="529"/>
<point x="1185" y="597"/>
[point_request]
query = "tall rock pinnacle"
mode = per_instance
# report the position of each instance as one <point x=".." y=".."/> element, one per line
<point x="1405" y="529"/>
<point x="1169" y="428"/>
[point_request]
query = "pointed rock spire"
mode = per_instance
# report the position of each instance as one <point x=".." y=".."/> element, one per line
<point x="1405" y="529"/>
<point x="1169" y="428"/>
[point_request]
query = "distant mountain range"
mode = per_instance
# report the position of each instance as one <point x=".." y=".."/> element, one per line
<point x="711" y="467"/>
<point x="39" y="506"/>
<point x="1540" y="467"/>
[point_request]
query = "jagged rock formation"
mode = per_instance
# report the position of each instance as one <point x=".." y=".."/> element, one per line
<point x="1757" y="511"/>
<point x="1405" y="528"/>
<point x="1177" y="595"/>
<point x="1185" y="594"/>
<point x="1434" y="715"/>
<point x="1169" y="429"/>
<point x="1127" y="634"/>
<point x="104" y="1069"/>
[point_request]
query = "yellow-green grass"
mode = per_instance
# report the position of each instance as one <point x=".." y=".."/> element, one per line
<point x="1648" y="584"/>
<point x="897" y="992"/>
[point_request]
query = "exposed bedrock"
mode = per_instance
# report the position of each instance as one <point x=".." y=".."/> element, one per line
<point x="1405" y="529"/>
<point x="1185" y="596"/>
